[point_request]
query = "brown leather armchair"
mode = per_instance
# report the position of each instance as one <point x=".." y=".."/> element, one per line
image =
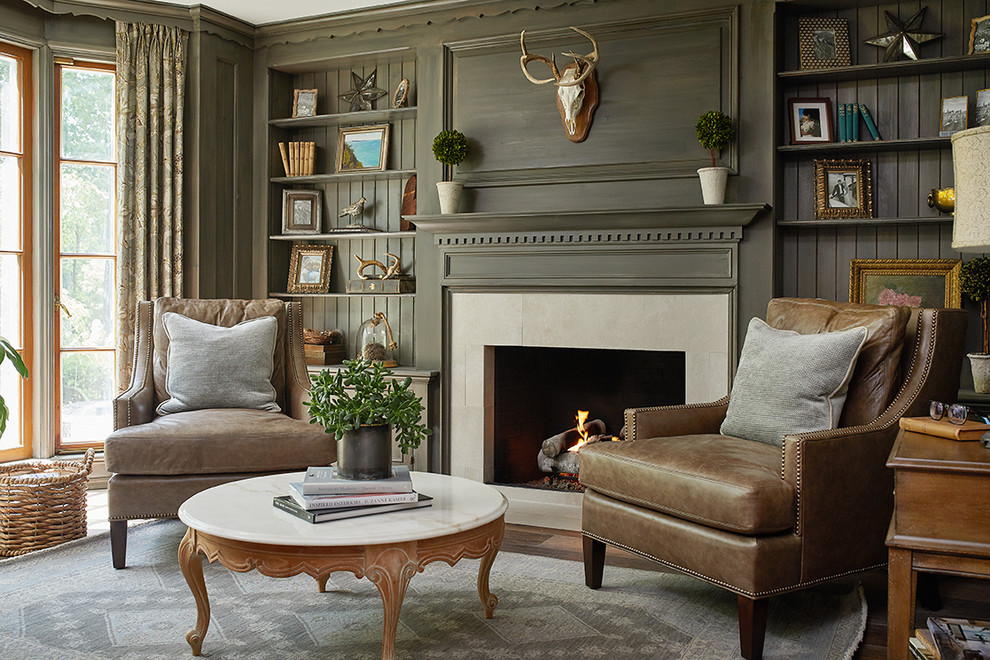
<point x="158" y="461"/>
<point x="761" y="520"/>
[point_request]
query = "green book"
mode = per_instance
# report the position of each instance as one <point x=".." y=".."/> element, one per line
<point x="871" y="126"/>
<point x="842" y="123"/>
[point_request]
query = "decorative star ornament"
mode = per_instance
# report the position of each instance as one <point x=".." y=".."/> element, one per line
<point x="364" y="92"/>
<point x="903" y="38"/>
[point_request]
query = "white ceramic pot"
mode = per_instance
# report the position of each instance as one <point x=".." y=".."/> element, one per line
<point x="450" y="195"/>
<point x="713" y="181"/>
<point x="980" y="363"/>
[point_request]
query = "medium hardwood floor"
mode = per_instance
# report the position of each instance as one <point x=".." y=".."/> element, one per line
<point x="961" y="597"/>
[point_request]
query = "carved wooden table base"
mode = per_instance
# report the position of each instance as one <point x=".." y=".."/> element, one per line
<point x="389" y="566"/>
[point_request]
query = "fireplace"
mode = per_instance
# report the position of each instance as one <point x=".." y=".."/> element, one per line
<point x="537" y="391"/>
<point x="654" y="282"/>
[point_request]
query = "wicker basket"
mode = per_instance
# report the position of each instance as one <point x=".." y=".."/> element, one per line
<point x="42" y="504"/>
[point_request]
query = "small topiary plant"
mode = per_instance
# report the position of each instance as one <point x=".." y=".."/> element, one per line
<point x="450" y="147"/>
<point x="7" y="351"/>
<point x="714" y="131"/>
<point x="974" y="278"/>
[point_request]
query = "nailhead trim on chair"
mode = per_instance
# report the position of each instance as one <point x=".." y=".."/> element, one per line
<point x="143" y="516"/>
<point x="631" y="419"/>
<point x="726" y="585"/>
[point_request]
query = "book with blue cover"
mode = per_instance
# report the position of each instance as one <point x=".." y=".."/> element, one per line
<point x="842" y="123"/>
<point x="871" y="125"/>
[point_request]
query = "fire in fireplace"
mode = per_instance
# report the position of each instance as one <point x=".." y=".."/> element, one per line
<point x="535" y="391"/>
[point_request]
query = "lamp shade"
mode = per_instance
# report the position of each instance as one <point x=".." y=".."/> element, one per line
<point x="971" y="167"/>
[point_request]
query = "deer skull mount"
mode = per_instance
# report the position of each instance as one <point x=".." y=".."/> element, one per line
<point x="577" y="86"/>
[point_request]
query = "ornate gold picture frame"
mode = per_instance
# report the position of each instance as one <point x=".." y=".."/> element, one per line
<point x="309" y="268"/>
<point x="906" y="282"/>
<point x="843" y="189"/>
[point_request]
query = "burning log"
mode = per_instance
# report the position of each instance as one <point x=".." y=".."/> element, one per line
<point x="568" y="462"/>
<point x="554" y="445"/>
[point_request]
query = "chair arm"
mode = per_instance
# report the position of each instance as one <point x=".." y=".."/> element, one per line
<point x="664" y="421"/>
<point x="136" y="405"/>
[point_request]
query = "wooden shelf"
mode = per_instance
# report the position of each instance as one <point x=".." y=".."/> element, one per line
<point x="887" y="69"/>
<point x="356" y="176"/>
<point x="360" y="117"/>
<point x="344" y="236"/>
<point x="857" y="222"/>
<point x="866" y="145"/>
<point x="282" y="294"/>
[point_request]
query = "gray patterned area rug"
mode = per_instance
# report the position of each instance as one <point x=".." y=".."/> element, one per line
<point x="69" y="603"/>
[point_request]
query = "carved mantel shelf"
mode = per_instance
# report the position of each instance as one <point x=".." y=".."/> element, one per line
<point x="723" y="215"/>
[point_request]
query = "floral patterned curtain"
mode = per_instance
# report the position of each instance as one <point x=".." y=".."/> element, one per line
<point x="151" y="72"/>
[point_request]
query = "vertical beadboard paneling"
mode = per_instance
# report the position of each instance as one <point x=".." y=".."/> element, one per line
<point x="814" y="261"/>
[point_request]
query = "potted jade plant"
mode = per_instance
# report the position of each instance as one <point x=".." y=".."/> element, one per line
<point x="7" y="351"/>
<point x="714" y="132"/>
<point x="974" y="277"/>
<point x="450" y="148"/>
<point x="361" y="405"/>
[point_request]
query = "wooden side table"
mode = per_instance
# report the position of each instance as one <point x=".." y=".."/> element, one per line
<point x="941" y="522"/>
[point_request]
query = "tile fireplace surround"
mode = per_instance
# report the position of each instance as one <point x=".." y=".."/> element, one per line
<point x="655" y="280"/>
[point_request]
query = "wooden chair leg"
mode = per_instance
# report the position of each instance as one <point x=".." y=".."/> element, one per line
<point x="118" y="542"/>
<point x="594" y="562"/>
<point x="752" y="626"/>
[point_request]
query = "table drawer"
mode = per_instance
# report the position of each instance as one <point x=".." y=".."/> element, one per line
<point x="944" y="505"/>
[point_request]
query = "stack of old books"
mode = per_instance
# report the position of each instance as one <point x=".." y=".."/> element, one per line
<point x="324" y="495"/>
<point x="951" y="639"/>
<point x="298" y="158"/>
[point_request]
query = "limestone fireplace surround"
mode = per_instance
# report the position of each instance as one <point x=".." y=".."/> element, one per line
<point x="657" y="280"/>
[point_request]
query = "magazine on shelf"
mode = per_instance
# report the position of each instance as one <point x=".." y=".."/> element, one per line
<point x="965" y="639"/>
<point x="313" y="502"/>
<point x="324" y="480"/>
<point x="289" y="505"/>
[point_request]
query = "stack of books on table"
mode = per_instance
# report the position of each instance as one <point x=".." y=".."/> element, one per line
<point x="323" y="495"/>
<point x="952" y="639"/>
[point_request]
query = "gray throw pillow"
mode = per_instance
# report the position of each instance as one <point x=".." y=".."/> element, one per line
<point x="790" y="383"/>
<point x="210" y="366"/>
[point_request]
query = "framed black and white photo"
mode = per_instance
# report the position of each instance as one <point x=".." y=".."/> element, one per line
<point x="304" y="103"/>
<point x="983" y="107"/>
<point x="843" y="189"/>
<point x="302" y="211"/>
<point x="309" y="268"/>
<point x="362" y="149"/>
<point x="811" y="121"/>
<point x="979" y="35"/>
<point x="401" y="93"/>
<point x="955" y="111"/>
<point x="823" y="42"/>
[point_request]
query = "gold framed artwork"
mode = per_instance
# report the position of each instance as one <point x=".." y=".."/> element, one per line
<point x="302" y="211"/>
<point x="906" y="282"/>
<point x="303" y="103"/>
<point x="979" y="35"/>
<point x="843" y="189"/>
<point x="823" y="42"/>
<point x="309" y="268"/>
<point x="362" y="149"/>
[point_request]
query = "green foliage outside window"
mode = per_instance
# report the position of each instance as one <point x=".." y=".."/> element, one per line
<point x="7" y="352"/>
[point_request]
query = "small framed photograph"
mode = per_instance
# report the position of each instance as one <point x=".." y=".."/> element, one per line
<point x="823" y="42"/>
<point x="304" y="103"/>
<point x="906" y="282"/>
<point x="979" y="35"/>
<point x="401" y="93"/>
<point x="955" y="115"/>
<point x="811" y="121"/>
<point x="302" y="211"/>
<point x="983" y="107"/>
<point x="362" y="149"/>
<point x="309" y="268"/>
<point x="843" y="189"/>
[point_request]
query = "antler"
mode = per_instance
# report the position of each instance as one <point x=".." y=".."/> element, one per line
<point x="526" y="58"/>
<point x="590" y="60"/>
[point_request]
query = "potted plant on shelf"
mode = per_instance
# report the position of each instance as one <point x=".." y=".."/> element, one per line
<point x="450" y="148"/>
<point x="974" y="278"/>
<point x="714" y="132"/>
<point x="8" y="351"/>
<point x="361" y="404"/>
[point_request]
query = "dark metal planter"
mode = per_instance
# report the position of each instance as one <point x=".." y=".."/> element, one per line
<point x="365" y="453"/>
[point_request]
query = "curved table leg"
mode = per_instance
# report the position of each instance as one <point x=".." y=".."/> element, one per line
<point x="391" y="568"/>
<point x="192" y="568"/>
<point x="488" y="599"/>
<point x="321" y="583"/>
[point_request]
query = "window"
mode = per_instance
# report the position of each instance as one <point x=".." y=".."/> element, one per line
<point x="85" y="246"/>
<point x="15" y="242"/>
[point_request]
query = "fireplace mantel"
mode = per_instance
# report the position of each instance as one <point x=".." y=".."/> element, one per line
<point x="683" y="219"/>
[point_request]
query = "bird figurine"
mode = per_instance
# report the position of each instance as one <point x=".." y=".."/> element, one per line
<point x="354" y="210"/>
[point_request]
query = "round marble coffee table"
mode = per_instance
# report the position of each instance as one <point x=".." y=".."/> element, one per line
<point x="237" y="525"/>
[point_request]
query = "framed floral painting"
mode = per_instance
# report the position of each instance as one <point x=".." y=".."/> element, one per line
<point x="906" y="282"/>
